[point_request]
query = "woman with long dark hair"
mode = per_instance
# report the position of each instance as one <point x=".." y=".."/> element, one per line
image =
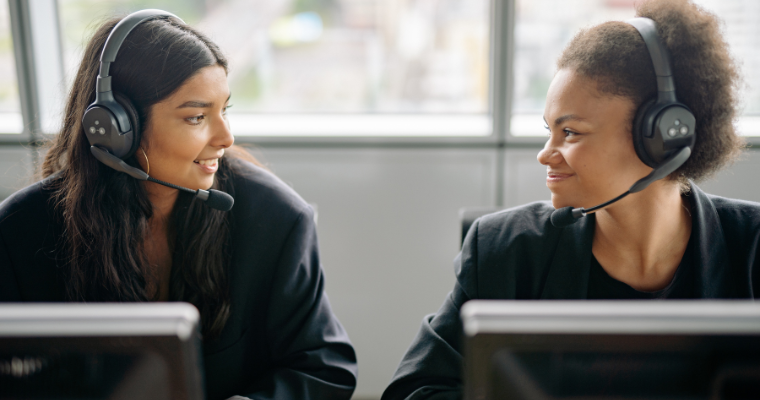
<point x="664" y="240"/>
<point x="88" y="233"/>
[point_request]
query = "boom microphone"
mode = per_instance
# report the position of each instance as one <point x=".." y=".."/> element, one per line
<point x="569" y="215"/>
<point x="565" y="216"/>
<point x="213" y="198"/>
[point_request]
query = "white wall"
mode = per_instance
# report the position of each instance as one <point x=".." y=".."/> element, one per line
<point x="16" y="170"/>
<point x="388" y="229"/>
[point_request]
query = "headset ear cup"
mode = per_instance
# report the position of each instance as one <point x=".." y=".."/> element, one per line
<point x="640" y="131"/>
<point x="134" y="120"/>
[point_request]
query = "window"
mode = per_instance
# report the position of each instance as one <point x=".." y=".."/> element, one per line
<point x="335" y="67"/>
<point x="404" y="68"/>
<point x="544" y="27"/>
<point x="10" y="107"/>
<point x="743" y="35"/>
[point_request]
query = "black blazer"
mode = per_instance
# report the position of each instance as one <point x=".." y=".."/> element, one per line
<point x="519" y="254"/>
<point x="281" y="340"/>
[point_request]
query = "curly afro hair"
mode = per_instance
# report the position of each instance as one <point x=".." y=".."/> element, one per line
<point x="707" y="78"/>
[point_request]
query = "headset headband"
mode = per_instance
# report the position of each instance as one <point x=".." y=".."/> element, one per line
<point x="666" y="87"/>
<point x="116" y="38"/>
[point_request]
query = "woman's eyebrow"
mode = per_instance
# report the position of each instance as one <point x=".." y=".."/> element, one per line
<point x="568" y="117"/>
<point x="200" y="104"/>
<point x="196" y="104"/>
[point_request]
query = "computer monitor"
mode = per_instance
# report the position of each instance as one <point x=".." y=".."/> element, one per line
<point x="100" y="351"/>
<point x="542" y="350"/>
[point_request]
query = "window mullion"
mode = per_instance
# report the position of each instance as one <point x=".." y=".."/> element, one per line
<point x="24" y="58"/>
<point x="39" y="64"/>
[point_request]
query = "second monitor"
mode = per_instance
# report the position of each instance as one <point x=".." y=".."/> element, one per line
<point x="545" y="350"/>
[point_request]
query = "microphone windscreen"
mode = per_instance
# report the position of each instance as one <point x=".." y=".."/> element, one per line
<point x="219" y="200"/>
<point x="563" y="217"/>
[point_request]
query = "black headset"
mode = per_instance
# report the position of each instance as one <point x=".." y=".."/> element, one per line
<point x="111" y="122"/>
<point x="662" y="125"/>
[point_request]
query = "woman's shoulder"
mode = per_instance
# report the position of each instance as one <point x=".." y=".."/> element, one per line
<point x="31" y="201"/>
<point x="747" y="208"/>
<point x="28" y="223"/>
<point x="507" y="254"/>
<point x="529" y="221"/>
<point x="737" y="214"/>
<point x="258" y="191"/>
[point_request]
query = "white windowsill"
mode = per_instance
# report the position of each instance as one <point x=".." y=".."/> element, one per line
<point x="11" y="123"/>
<point x="359" y="125"/>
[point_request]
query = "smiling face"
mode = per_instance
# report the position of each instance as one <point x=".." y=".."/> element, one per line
<point x="187" y="132"/>
<point x="589" y="156"/>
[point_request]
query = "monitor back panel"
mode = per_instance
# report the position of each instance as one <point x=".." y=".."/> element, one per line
<point x="100" y="351"/>
<point x="598" y="350"/>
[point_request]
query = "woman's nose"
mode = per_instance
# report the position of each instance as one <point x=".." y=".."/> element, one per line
<point x="549" y="154"/>
<point x="223" y="135"/>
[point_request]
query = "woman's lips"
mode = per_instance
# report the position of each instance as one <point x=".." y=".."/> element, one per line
<point x="209" y="165"/>
<point x="554" y="177"/>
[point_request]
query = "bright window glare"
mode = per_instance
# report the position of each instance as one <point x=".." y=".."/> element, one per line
<point x="10" y="107"/>
<point x="542" y="30"/>
<point x="742" y="32"/>
<point x="347" y="125"/>
<point x="544" y="27"/>
<point x="334" y="56"/>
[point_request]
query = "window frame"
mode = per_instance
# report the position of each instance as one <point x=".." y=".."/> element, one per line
<point x="35" y="90"/>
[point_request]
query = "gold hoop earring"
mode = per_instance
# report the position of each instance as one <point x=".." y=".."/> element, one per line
<point x="147" y="163"/>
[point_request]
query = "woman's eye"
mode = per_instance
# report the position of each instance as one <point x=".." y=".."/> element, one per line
<point x="568" y="132"/>
<point x="196" y="120"/>
<point x="224" y="111"/>
<point x="548" y="131"/>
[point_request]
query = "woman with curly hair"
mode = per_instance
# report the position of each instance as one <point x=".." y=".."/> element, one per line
<point x="669" y="240"/>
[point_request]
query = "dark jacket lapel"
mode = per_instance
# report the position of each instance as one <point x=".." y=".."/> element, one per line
<point x="712" y="265"/>
<point x="569" y="270"/>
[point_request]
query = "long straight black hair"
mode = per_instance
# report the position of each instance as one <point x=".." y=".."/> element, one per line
<point x="105" y="213"/>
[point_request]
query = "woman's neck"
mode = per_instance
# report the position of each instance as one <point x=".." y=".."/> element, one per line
<point x="157" y="247"/>
<point x="641" y="239"/>
<point x="162" y="198"/>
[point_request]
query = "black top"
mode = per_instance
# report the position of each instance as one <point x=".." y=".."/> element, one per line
<point x="601" y="286"/>
<point x="281" y="340"/>
<point x="518" y="254"/>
